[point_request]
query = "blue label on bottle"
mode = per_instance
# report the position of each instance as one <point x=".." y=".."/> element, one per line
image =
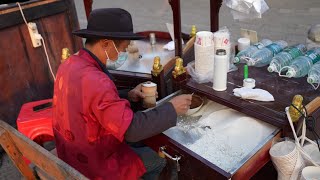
<point x="293" y="51"/>
<point x="275" y="48"/>
<point x="313" y="55"/>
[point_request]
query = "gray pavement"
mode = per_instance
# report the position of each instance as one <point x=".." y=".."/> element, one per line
<point x="286" y="19"/>
<point x="7" y="170"/>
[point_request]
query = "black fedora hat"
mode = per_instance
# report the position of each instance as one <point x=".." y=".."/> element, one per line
<point x="109" y="23"/>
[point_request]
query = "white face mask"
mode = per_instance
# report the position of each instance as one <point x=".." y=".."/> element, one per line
<point x="122" y="58"/>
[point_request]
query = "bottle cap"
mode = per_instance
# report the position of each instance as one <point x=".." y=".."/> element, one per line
<point x="290" y="73"/>
<point x="311" y="79"/>
<point x="272" y="68"/>
<point x="249" y="83"/>
<point x="245" y="71"/>
<point x="236" y="60"/>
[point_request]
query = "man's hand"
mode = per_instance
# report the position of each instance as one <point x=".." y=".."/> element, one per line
<point x="136" y="94"/>
<point x="181" y="103"/>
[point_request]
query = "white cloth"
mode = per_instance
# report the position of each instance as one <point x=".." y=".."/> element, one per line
<point x="255" y="94"/>
<point x="169" y="46"/>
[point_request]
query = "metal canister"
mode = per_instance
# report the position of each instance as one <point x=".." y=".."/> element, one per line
<point x="152" y="38"/>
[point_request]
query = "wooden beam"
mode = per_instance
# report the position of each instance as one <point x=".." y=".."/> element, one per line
<point x="42" y="158"/>
<point x="14" y="154"/>
<point x="214" y="14"/>
<point x="88" y="6"/>
<point x="175" y="5"/>
<point x="189" y="45"/>
<point x="313" y="105"/>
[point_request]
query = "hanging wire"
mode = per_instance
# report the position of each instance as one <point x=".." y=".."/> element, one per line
<point x="310" y="122"/>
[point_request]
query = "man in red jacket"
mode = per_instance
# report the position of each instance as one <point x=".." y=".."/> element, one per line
<point x="91" y="122"/>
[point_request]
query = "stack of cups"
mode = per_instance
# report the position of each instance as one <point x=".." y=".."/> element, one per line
<point x="204" y="53"/>
<point x="287" y="160"/>
<point x="222" y="41"/>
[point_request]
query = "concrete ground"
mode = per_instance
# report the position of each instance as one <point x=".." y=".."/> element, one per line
<point x="286" y="19"/>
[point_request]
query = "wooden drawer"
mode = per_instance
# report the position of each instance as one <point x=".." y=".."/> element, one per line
<point x="195" y="166"/>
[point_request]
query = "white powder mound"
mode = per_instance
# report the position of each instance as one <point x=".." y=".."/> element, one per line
<point x="230" y="138"/>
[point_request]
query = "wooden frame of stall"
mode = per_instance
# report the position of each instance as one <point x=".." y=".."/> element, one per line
<point x="271" y="112"/>
<point x="60" y="12"/>
<point x="47" y="165"/>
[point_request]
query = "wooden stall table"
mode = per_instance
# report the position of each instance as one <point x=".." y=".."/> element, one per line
<point x="194" y="165"/>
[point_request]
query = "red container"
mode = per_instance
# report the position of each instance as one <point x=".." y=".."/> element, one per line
<point x="35" y="121"/>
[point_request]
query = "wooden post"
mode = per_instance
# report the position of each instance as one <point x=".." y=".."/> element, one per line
<point x="157" y="74"/>
<point x="161" y="85"/>
<point x="179" y="74"/>
<point x="88" y="6"/>
<point x="214" y="14"/>
<point x="175" y="5"/>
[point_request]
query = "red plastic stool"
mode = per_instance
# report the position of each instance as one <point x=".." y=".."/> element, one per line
<point x="35" y="121"/>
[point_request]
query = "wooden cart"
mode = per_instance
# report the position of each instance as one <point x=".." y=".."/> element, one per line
<point x="192" y="165"/>
<point x="23" y="82"/>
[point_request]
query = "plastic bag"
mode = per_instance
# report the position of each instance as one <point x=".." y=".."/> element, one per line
<point x="311" y="44"/>
<point x="247" y="9"/>
<point x="198" y="77"/>
<point x="208" y="77"/>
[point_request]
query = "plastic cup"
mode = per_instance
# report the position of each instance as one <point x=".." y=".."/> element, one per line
<point x="149" y="89"/>
<point x="310" y="172"/>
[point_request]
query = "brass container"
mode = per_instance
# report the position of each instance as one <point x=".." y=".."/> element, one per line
<point x="193" y="31"/>
<point x="297" y="102"/>
<point x="178" y="69"/>
<point x="157" y="67"/>
<point x="65" y="54"/>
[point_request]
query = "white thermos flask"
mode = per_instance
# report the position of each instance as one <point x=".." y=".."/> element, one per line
<point x="220" y="70"/>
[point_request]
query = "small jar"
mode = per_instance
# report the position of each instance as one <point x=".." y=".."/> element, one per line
<point x="152" y="38"/>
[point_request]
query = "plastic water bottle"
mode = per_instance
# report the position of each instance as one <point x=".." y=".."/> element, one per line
<point x="264" y="56"/>
<point x="300" y="66"/>
<point x="251" y="50"/>
<point x="285" y="57"/>
<point x="314" y="75"/>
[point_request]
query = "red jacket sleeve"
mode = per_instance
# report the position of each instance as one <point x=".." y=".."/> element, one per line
<point x="113" y="113"/>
